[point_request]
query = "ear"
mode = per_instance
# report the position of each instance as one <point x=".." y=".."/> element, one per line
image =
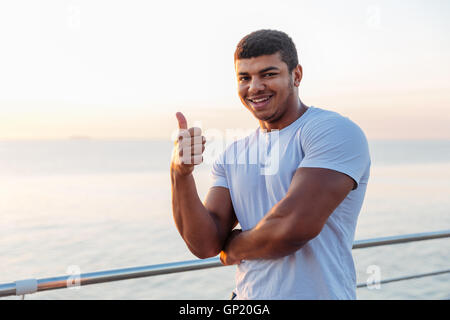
<point x="297" y="74"/>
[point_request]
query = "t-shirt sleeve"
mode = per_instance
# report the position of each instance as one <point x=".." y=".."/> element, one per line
<point x="218" y="173"/>
<point x="335" y="143"/>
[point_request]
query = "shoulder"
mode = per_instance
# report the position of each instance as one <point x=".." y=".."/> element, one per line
<point x="329" y="125"/>
<point x="322" y="117"/>
<point x="332" y="141"/>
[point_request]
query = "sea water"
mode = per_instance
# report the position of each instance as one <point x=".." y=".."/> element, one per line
<point x="91" y="205"/>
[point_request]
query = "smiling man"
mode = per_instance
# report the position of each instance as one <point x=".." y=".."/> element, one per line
<point x="298" y="222"/>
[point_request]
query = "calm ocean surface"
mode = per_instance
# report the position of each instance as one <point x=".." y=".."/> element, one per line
<point x="99" y="205"/>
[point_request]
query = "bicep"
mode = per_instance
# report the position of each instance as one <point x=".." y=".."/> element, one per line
<point x="314" y="194"/>
<point x="219" y="205"/>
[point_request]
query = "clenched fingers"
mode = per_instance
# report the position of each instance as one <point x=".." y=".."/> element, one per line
<point x="191" y="145"/>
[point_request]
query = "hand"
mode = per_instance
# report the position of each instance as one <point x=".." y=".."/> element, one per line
<point x="226" y="256"/>
<point x="188" y="149"/>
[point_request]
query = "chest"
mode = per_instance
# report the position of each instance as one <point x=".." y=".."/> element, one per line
<point x="262" y="173"/>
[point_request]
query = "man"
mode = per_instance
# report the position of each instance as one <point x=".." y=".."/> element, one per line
<point x="298" y="222"/>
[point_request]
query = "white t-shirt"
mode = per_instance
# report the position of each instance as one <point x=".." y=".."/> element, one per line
<point x="258" y="170"/>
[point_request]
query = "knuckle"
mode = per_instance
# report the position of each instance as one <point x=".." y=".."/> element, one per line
<point x="196" y="140"/>
<point x="194" y="131"/>
<point x="183" y="133"/>
<point x="196" y="149"/>
<point x="197" y="130"/>
<point x="186" y="142"/>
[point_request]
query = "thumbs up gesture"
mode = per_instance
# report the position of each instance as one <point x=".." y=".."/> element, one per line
<point x="189" y="147"/>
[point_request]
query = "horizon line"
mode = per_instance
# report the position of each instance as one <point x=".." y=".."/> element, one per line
<point x="91" y="138"/>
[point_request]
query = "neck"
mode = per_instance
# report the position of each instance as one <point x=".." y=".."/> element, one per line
<point x="297" y="109"/>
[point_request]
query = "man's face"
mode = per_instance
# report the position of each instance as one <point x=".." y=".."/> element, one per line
<point x="265" y="86"/>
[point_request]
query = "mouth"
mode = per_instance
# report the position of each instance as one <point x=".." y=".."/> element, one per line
<point x="259" y="102"/>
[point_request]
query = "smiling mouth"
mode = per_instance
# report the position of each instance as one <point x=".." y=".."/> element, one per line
<point x="259" y="102"/>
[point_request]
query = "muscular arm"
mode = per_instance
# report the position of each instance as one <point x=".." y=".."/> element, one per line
<point x="203" y="227"/>
<point x="313" y="195"/>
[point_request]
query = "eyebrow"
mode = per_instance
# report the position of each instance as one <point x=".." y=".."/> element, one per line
<point x="261" y="71"/>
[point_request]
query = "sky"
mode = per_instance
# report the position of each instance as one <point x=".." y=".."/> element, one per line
<point x="121" y="69"/>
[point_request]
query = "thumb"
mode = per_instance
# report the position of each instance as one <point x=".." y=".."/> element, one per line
<point x="182" y="122"/>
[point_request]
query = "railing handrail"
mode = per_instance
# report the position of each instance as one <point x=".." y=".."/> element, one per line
<point x="381" y="241"/>
<point x="36" y="285"/>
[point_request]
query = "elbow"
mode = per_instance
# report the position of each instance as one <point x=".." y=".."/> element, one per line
<point x="205" y="252"/>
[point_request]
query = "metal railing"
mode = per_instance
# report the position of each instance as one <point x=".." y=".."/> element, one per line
<point x="28" y="286"/>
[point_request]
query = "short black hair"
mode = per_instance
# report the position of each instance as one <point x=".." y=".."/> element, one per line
<point x="267" y="42"/>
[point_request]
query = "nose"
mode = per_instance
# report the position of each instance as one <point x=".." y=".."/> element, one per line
<point x="255" y="86"/>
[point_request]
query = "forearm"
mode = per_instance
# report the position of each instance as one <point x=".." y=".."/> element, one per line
<point x="273" y="237"/>
<point x="258" y="244"/>
<point x="194" y="222"/>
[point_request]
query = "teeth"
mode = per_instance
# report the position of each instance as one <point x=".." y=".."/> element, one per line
<point x="260" y="100"/>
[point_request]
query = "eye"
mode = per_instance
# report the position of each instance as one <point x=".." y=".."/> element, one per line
<point x="270" y="74"/>
<point x="243" y="78"/>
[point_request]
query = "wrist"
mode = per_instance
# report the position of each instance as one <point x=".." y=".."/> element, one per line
<point x="232" y="246"/>
<point x="177" y="174"/>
